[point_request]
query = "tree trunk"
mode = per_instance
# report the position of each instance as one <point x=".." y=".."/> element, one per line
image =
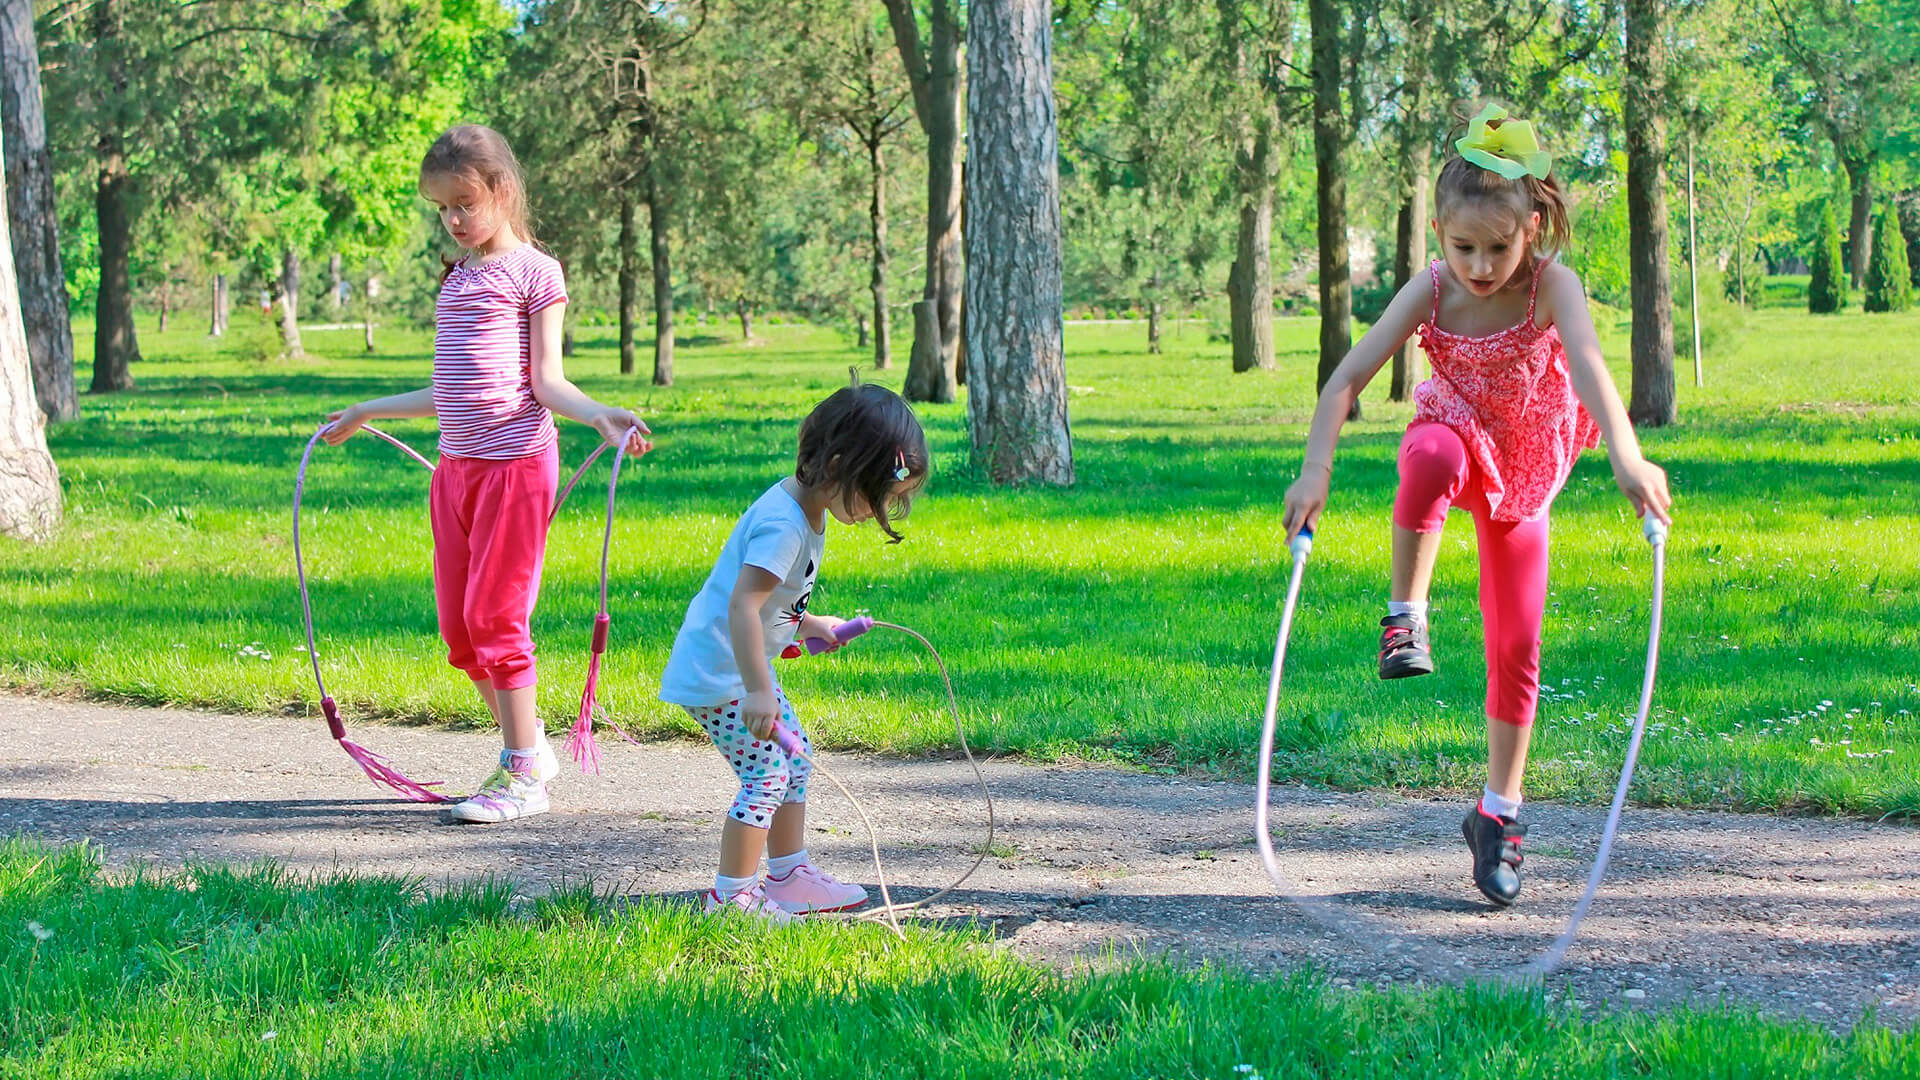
<point x="1250" y="281"/>
<point x="290" y="305"/>
<point x="935" y="75"/>
<point x="1153" y="327"/>
<point x="877" y="279"/>
<point x="865" y="335"/>
<point x="29" y="482"/>
<point x="217" y="307"/>
<point x="1329" y="154"/>
<point x="1017" y="404"/>
<point x="334" y="300"/>
<point x="166" y="297"/>
<point x="1652" y="402"/>
<point x="657" y="209"/>
<point x="745" y="311"/>
<point x="116" y="347"/>
<point x="35" y="221"/>
<point x="1860" y="227"/>
<point x="629" y="281"/>
<point x="1410" y="257"/>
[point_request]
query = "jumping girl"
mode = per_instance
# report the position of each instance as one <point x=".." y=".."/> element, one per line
<point x="1518" y="391"/>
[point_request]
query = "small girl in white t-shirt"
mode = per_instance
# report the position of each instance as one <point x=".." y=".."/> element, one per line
<point x="862" y="455"/>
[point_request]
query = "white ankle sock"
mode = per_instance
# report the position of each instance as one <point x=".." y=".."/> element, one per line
<point x="1499" y="805"/>
<point x="724" y="886"/>
<point x="782" y="865"/>
<point x="1415" y="608"/>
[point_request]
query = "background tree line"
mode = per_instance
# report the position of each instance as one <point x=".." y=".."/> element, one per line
<point x="720" y="161"/>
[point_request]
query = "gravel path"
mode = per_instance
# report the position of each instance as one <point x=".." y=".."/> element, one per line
<point x="1808" y="918"/>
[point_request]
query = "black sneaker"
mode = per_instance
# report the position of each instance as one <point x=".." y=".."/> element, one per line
<point x="1495" y="843"/>
<point x="1403" y="647"/>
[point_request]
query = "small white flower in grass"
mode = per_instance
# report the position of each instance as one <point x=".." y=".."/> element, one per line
<point x="269" y="1036"/>
<point x="40" y="933"/>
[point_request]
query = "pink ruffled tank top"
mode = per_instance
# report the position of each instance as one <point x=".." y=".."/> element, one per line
<point x="1509" y="397"/>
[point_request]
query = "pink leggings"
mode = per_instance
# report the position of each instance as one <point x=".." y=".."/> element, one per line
<point x="489" y="538"/>
<point x="1435" y="475"/>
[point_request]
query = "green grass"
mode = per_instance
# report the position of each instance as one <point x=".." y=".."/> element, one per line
<point x="252" y="973"/>
<point x="1128" y="619"/>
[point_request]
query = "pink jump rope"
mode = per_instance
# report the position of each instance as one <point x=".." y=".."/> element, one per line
<point x="580" y="742"/>
<point x="1434" y="961"/>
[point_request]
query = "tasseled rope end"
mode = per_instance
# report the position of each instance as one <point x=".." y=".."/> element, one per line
<point x="381" y="771"/>
<point x="377" y="768"/>
<point x="580" y="744"/>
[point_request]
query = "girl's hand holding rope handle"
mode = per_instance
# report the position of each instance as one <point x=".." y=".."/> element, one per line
<point x="761" y="710"/>
<point x="1645" y="485"/>
<point x="616" y="425"/>
<point x="1306" y="498"/>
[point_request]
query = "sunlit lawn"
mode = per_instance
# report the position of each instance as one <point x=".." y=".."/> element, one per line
<point x="1129" y="618"/>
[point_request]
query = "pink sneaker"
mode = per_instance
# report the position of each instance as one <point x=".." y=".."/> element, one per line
<point x="807" y="889"/>
<point x="752" y="901"/>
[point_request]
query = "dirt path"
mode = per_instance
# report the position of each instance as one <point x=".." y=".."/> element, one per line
<point x="1818" y="919"/>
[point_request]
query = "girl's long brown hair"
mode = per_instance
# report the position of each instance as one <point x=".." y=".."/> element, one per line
<point x="478" y="153"/>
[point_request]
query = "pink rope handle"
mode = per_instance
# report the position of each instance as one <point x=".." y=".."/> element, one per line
<point x="377" y="768"/>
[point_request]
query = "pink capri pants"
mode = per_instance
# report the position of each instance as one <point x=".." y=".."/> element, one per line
<point x="1436" y="474"/>
<point x="489" y="539"/>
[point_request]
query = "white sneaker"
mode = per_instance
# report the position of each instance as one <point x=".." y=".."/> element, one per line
<point x="513" y="791"/>
<point x="547" y="767"/>
<point x="752" y="902"/>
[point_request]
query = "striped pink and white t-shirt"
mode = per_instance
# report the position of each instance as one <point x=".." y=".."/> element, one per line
<point x="482" y="355"/>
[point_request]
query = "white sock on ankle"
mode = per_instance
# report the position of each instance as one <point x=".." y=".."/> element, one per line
<point x="1499" y="805"/>
<point x="782" y="865"/>
<point x="724" y="886"/>
<point x="1415" y="608"/>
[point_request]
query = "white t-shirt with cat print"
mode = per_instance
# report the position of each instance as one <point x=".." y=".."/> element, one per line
<point x="774" y="535"/>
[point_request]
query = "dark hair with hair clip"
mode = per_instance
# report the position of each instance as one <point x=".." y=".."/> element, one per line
<point x="863" y="440"/>
<point x="1463" y="183"/>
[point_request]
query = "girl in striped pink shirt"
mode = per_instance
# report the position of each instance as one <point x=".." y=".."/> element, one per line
<point x="496" y="384"/>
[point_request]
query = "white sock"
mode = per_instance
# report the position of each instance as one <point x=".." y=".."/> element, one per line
<point x="1415" y="608"/>
<point x="724" y="886"/>
<point x="527" y="751"/>
<point x="1499" y="805"/>
<point x="782" y="865"/>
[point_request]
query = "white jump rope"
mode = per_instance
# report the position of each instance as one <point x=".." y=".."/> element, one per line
<point x="1378" y="938"/>
<point x="889" y="910"/>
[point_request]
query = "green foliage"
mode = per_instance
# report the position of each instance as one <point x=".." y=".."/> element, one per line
<point x="1889" y="278"/>
<point x="1746" y="282"/>
<point x="1599" y="251"/>
<point x="1828" y="292"/>
<point x="1723" y="322"/>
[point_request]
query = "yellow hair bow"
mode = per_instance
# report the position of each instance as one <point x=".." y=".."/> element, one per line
<point x="1510" y="149"/>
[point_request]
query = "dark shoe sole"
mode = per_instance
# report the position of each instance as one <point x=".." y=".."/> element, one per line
<point x="1406" y="667"/>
